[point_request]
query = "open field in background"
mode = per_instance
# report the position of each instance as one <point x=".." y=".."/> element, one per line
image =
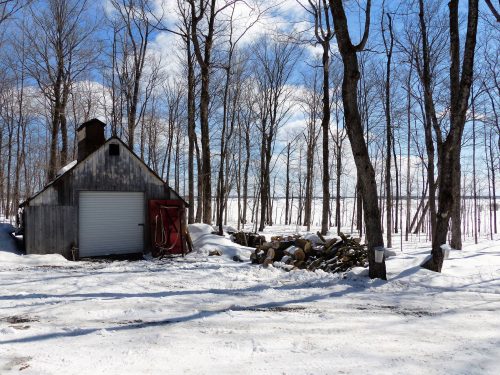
<point x="349" y="221"/>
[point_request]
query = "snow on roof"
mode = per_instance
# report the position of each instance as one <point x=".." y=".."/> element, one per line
<point x="66" y="168"/>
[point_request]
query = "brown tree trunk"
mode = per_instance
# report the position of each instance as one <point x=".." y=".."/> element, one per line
<point x="206" y="169"/>
<point x="287" y="184"/>
<point x="456" y="221"/>
<point x="264" y="180"/>
<point x="474" y="184"/>
<point x="220" y="180"/>
<point x="430" y="118"/>
<point x="337" y="198"/>
<point x="325" y="124"/>
<point x="54" y="131"/>
<point x="64" y="139"/>
<point x="359" y="208"/>
<point x="323" y="35"/>
<point x="64" y="123"/>
<point x="10" y="145"/>
<point x="199" y="187"/>
<point x="398" y="184"/>
<point x="245" y="175"/>
<point x="493" y="188"/>
<point x="191" y="129"/>
<point x="355" y="133"/>
<point x="388" y="130"/>
<point x="449" y="154"/>
<point x="408" y="140"/>
<point x="203" y="43"/>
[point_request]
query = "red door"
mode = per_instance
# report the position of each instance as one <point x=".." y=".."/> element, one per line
<point x="167" y="226"/>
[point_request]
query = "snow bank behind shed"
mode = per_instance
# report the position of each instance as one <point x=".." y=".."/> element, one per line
<point x="204" y="242"/>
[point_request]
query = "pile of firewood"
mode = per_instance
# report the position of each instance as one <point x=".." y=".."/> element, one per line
<point x="248" y="239"/>
<point x="338" y="254"/>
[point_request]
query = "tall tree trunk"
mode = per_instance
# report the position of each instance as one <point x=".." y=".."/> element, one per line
<point x="456" y="212"/>
<point x="430" y="118"/>
<point x="203" y="43"/>
<point x="325" y="124"/>
<point x="64" y="139"/>
<point x="206" y="169"/>
<point x="199" y="187"/>
<point x="474" y="184"/>
<point x="398" y="185"/>
<point x="245" y="175"/>
<point x="488" y="175"/>
<point x="10" y="144"/>
<point x="449" y="154"/>
<point x="220" y="181"/>
<point x="338" y="175"/>
<point x="355" y="132"/>
<point x="263" y="186"/>
<point x="408" y="139"/>
<point x="191" y="128"/>
<point x="19" y="160"/>
<point x="493" y="182"/>
<point x="238" y="177"/>
<point x="388" y="130"/>
<point x="359" y="208"/>
<point x="338" y="147"/>
<point x="54" y="131"/>
<point x="64" y="124"/>
<point x="309" y="182"/>
<point x="287" y="184"/>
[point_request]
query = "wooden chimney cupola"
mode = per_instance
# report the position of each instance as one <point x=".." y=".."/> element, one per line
<point x="90" y="136"/>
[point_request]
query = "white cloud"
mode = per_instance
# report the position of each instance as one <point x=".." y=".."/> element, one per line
<point x="167" y="48"/>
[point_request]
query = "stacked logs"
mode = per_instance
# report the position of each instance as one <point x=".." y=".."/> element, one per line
<point x="248" y="239"/>
<point x="338" y="254"/>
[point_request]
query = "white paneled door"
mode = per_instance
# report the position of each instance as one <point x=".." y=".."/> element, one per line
<point x="110" y="223"/>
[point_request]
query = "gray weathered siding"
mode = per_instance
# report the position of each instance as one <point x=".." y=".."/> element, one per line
<point x="52" y="229"/>
<point x="48" y="197"/>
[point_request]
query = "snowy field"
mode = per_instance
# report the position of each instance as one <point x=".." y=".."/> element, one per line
<point x="211" y="315"/>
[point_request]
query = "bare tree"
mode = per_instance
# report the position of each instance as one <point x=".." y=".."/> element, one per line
<point x="59" y="50"/>
<point x="310" y="103"/>
<point x="449" y="154"/>
<point x="184" y="31"/>
<point x="423" y="62"/>
<point x="133" y="27"/>
<point x="230" y="95"/>
<point x="9" y="7"/>
<point x="366" y="173"/>
<point x="338" y="150"/>
<point x="203" y="26"/>
<point x="274" y="61"/>
<point x="175" y="112"/>
<point x="493" y="9"/>
<point x="388" y="45"/>
<point x="247" y="119"/>
<point x="408" y="143"/>
<point x="319" y="9"/>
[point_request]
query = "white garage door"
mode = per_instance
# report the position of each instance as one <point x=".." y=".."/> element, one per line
<point x="110" y="223"/>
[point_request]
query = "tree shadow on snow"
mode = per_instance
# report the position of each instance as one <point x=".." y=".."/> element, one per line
<point x="353" y="286"/>
<point x="277" y="306"/>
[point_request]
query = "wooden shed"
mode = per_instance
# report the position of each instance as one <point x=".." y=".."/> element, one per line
<point x="100" y="204"/>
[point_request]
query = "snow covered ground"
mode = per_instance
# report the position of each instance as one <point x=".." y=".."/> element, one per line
<point x="211" y="315"/>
